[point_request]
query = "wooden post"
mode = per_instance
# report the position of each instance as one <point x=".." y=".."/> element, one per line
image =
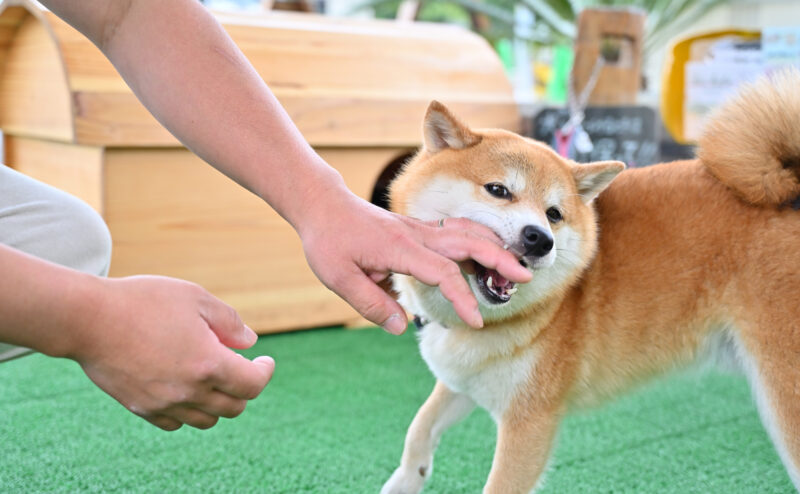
<point x="617" y="34"/>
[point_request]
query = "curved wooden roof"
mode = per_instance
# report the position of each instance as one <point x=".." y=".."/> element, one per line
<point x="345" y="82"/>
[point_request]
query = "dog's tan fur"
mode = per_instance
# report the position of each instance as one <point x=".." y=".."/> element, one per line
<point x="689" y="260"/>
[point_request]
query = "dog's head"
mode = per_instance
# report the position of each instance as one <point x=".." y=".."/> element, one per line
<point x="537" y="202"/>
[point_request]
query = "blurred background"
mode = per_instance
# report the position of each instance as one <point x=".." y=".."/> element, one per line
<point x="535" y="38"/>
<point x="632" y="81"/>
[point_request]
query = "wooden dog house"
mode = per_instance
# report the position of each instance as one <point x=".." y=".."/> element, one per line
<point x="357" y="89"/>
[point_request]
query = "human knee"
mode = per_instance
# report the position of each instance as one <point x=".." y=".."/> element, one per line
<point x="61" y="229"/>
<point x="88" y="245"/>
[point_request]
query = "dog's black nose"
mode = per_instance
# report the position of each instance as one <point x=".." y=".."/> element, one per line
<point x="537" y="242"/>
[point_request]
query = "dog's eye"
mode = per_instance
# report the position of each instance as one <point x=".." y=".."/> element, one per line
<point x="554" y="215"/>
<point x="498" y="190"/>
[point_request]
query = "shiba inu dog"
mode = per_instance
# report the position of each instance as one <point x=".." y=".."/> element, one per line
<point x="666" y="265"/>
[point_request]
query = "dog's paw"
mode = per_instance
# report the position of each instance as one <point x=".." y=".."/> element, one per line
<point x="406" y="481"/>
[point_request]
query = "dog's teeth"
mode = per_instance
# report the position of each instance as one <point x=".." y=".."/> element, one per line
<point x="512" y="291"/>
<point x="506" y="246"/>
<point x="489" y="282"/>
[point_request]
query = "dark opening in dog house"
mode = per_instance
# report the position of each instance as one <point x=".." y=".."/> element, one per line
<point x="380" y="192"/>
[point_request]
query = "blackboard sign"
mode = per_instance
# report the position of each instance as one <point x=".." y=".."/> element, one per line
<point x="624" y="133"/>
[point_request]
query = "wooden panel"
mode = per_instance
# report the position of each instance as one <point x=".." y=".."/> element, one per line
<point x="361" y="167"/>
<point x="75" y="169"/>
<point x="10" y="19"/>
<point x="358" y="55"/>
<point x="116" y="118"/>
<point x="171" y="214"/>
<point x="324" y="120"/>
<point x="86" y="66"/>
<point x="312" y="53"/>
<point x="34" y="96"/>
<point x="344" y="82"/>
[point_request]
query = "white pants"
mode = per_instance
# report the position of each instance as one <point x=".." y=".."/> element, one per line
<point x="48" y="223"/>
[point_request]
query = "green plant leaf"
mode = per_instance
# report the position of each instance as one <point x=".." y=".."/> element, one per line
<point x="556" y="19"/>
<point x="545" y="12"/>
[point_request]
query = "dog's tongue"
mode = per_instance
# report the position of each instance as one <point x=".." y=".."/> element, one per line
<point x="498" y="280"/>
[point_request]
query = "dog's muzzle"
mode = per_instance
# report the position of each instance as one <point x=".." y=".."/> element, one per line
<point x="536" y="241"/>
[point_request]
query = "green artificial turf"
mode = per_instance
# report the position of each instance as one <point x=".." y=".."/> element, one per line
<point x="333" y="421"/>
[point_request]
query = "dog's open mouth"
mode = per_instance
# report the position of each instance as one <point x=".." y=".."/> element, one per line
<point x="495" y="288"/>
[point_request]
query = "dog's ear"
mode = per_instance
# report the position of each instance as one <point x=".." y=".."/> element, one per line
<point x="442" y="130"/>
<point x="592" y="178"/>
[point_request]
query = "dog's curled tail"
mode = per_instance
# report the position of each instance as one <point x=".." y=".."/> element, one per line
<point x="752" y="143"/>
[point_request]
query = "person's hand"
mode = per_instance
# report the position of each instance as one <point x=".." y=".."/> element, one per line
<point x="351" y="245"/>
<point x="159" y="346"/>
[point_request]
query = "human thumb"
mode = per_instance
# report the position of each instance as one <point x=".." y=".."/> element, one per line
<point x="225" y="322"/>
<point x="365" y="296"/>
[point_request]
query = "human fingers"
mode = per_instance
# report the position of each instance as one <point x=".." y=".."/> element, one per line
<point x="434" y="269"/>
<point x="220" y="404"/>
<point x="164" y="422"/>
<point x="464" y="225"/>
<point x="225" y="322"/>
<point x="243" y="378"/>
<point x="461" y="245"/>
<point x="192" y="417"/>
<point x="365" y="296"/>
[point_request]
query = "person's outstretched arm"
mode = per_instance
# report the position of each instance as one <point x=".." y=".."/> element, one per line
<point x="157" y="345"/>
<point x="188" y="72"/>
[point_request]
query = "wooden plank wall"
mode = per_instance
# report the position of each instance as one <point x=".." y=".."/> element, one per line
<point x="359" y="83"/>
<point x="75" y="169"/>
<point x="34" y="96"/>
<point x="171" y="214"/>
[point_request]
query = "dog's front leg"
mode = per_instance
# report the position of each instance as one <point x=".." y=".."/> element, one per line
<point x="524" y="440"/>
<point x="442" y="409"/>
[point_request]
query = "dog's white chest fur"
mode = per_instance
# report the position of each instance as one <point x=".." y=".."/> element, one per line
<point x="476" y="364"/>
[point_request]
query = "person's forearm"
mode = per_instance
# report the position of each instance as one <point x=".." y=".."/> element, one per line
<point x="42" y="305"/>
<point x="191" y="76"/>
